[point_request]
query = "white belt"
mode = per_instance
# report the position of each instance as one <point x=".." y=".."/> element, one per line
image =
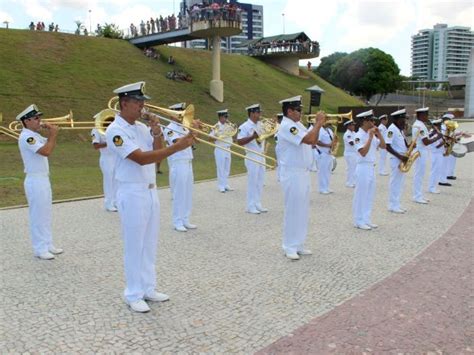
<point x="182" y="161"/>
<point x="294" y="168"/>
<point x="142" y="185"/>
<point x="37" y="174"/>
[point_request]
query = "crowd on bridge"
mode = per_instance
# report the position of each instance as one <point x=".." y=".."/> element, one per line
<point x="296" y="46"/>
<point x="161" y="24"/>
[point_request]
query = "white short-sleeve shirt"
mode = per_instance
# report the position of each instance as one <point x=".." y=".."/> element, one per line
<point x="247" y="129"/>
<point x="123" y="139"/>
<point x="396" y="139"/>
<point x="348" y="138"/>
<point x="360" y="139"/>
<point x="100" y="138"/>
<point x="419" y="126"/>
<point x="292" y="152"/>
<point x="172" y="133"/>
<point x="29" y="143"/>
<point x="217" y="131"/>
<point x="325" y="136"/>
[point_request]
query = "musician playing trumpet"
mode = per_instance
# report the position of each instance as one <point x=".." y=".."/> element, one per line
<point x="397" y="146"/>
<point x="223" y="158"/>
<point x="437" y="158"/>
<point x="35" y="150"/>
<point x="325" y="145"/>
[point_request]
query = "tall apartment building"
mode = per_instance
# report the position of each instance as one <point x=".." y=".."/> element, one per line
<point x="252" y="27"/>
<point x="442" y="51"/>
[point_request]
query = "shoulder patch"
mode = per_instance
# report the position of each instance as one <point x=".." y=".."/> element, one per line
<point x="294" y="130"/>
<point x="175" y="140"/>
<point x="118" y="141"/>
<point x="390" y="134"/>
<point x="357" y="140"/>
<point x="170" y="133"/>
<point x="30" y="140"/>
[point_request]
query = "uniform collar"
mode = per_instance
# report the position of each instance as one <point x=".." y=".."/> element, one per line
<point x="122" y="122"/>
<point x="251" y="122"/>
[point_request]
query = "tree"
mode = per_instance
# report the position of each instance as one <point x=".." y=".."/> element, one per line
<point x="110" y="31"/>
<point x="367" y="72"/>
<point x="325" y="67"/>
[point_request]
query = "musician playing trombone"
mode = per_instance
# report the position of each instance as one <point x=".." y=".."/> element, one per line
<point x="138" y="148"/>
<point x="295" y="159"/>
<point x="35" y="150"/>
<point x="248" y="137"/>
<point x="223" y="158"/>
<point x="181" y="175"/>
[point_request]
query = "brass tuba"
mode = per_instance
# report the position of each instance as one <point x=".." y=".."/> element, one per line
<point x="450" y="138"/>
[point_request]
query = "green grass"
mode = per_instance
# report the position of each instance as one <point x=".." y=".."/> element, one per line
<point x="59" y="72"/>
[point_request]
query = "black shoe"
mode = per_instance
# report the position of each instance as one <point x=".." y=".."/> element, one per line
<point x="159" y="172"/>
<point x="444" y="184"/>
<point x="451" y="177"/>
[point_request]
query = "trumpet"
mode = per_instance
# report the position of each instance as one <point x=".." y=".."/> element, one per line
<point x="186" y="119"/>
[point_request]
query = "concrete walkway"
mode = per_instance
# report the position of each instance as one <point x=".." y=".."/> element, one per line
<point x="231" y="288"/>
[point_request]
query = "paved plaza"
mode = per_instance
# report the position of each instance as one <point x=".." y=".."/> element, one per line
<point x="231" y="288"/>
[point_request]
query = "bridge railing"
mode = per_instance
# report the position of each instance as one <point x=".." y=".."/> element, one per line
<point x="287" y="47"/>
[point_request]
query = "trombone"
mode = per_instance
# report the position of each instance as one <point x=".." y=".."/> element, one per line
<point x="185" y="118"/>
<point x="64" y="122"/>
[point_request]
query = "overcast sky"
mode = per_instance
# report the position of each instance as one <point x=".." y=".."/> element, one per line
<point x="338" y="25"/>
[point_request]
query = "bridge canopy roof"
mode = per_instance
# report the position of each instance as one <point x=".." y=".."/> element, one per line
<point x="301" y="36"/>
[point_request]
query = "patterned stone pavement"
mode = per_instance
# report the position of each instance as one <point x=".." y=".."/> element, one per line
<point x="231" y="288"/>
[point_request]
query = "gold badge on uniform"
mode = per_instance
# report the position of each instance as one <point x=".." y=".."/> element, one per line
<point x="389" y="134"/>
<point x="294" y="130"/>
<point x="357" y="140"/>
<point x="30" y="140"/>
<point x="170" y="133"/>
<point x="118" y="141"/>
<point x="175" y="140"/>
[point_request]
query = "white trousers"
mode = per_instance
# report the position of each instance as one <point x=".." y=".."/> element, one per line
<point x="39" y="197"/>
<point x="296" y="190"/>
<point x="437" y="170"/>
<point x="139" y="210"/>
<point x="314" y="165"/>
<point x="420" y="167"/>
<point x="182" y="180"/>
<point x="382" y="161"/>
<point x="324" y="171"/>
<point x="444" y="170"/>
<point x="255" y="178"/>
<point x="223" y="160"/>
<point x="451" y="165"/>
<point x="364" y="193"/>
<point x="351" y="162"/>
<point x="397" y="180"/>
<point x="107" y="166"/>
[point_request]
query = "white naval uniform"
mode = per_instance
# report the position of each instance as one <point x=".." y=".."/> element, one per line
<point x="138" y="206"/>
<point x="277" y="156"/>
<point x="181" y="176"/>
<point x="37" y="189"/>
<point x="449" y="162"/>
<point x="396" y="138"/>
<point x="365" y="179"/>
<point x="223" y="158"/>
<point x="295" y="158"/>
<point x="350" y="156"/>
<point x="383" y="152"/>
<point x="255" y="172"/>
<point x="420" y="163"/>
<point x="437" y="163"/>
<point x="326" y="136"/>
<point x="107" y="162"/>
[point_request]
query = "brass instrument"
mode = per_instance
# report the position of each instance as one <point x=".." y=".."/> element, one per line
<point x="227" y="130"/>
<point x="8" y="132"/>
<point x="337" y="119"/>
<point x="186" y="119"/>
<point x="406" y="166"/>
<point x="451" y="127"/>
<point x="266" y="128"/>
<point x="64" y="122"/>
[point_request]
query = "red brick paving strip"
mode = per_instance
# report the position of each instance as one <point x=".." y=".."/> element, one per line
<point x="425" y="307"/>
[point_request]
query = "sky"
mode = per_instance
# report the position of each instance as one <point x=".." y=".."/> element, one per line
<point x="338" y="25"/>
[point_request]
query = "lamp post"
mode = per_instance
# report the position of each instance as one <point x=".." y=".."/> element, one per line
<point x="90" y="21"/>
<point x="283" y="19"/>
<point x="6" y="24"/>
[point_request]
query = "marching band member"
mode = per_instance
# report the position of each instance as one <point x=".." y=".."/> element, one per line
<point x="325" y="161"/>
<point x="35" y="150"/>
<point x="107" y="166"/>
<point x="382" y="126"/>
<point x="367" y="140"/>
<point x="277" y="148"/>
<point x="295" y="157"/>
<point x="350" y="154"/>
<point x="397" y="146"/>
<point x="449" y="161"/>
<point x="223" y="158"/>
<point x="247" y="137"/>
<point x="181" y="175"/>
<point x="437" y="158"/>
<point x="138" y="148"/>
<point x="422" y="142"/>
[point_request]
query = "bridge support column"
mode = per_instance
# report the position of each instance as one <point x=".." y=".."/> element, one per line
<point x="216" y="85"/>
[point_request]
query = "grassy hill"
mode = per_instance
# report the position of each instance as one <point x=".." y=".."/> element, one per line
<point x="59" y="72"/>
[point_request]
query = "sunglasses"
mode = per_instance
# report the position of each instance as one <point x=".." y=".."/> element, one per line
<point x="297" y="109"/>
